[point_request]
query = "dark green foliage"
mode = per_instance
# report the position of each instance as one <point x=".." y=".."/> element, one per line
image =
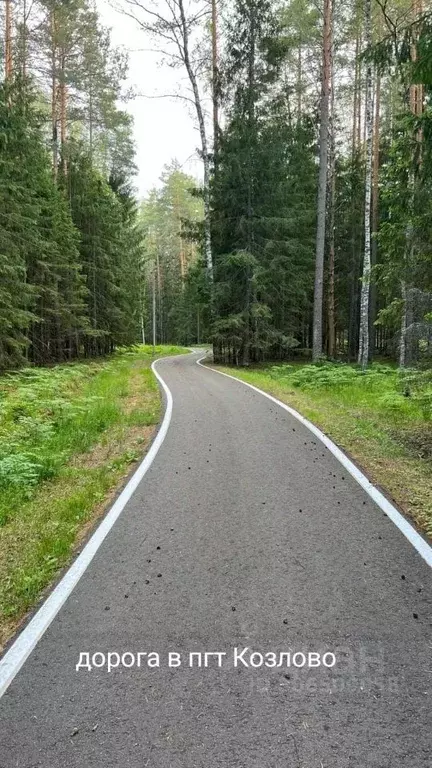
<point x="69" y="252"/>
<point x="405" y="236"/>
<point x="42" y="289"/>
<point x="109" y="251"/>
<point x="192" y="312"/>
<point x="172" y="222"/>
<point x="264" y="195"/>
<point x="80" y="269"/>
<point x="263" y="204"/>
<point x="406" y="196"/>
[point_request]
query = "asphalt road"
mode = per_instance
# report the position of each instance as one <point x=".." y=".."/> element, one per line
<point x="245" y="532"/>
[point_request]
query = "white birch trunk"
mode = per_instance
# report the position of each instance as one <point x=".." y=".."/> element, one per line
<point x="204" y="145"/>
<point x="363" y="354"/>
<point x="215" y="80"/>
<point x="176" y="28"/>
<point x="402" y="344"/>
<point x="322" y="184"/>
<point x="332" y="202"/>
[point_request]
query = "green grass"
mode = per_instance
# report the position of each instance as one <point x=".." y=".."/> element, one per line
<point x="68" y="435"/>
<point x="381" y="418"/>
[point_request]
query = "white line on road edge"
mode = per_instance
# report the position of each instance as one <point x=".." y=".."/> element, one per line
<point x="32" y="633"/>
<point x="418" y="542"/>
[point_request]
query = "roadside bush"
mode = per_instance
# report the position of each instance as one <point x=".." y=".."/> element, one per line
<point x="394" y="401"/>
<point x="417" y="385"/>
<point x="41" y="414"/>
<point x="325" y="375"/>
<point x="19" y="471"/>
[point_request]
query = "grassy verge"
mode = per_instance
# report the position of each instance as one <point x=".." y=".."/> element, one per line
<point x="68" y="436"/>
<point x="381" y="419"/>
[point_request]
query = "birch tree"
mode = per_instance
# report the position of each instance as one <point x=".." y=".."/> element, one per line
<point x="375" y="205"/>
<point x="176" y="28"/>
<point x="363" y="354"/>
<point x="215" y="79"/>
<point x="332" y="202"/>
<point x="317" y="348"/>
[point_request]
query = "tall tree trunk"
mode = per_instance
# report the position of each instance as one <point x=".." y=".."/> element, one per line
<point x="299" y="84"/>
<point x="215" y="82"/>
<point x="24" y="41"/>
<point x="160" y="298"/>
<point x="355" y="99"/>
<point x="204" y="145"/>
<point x="8" y="40"/>
<point x="402" y="343"/>
<point x="375" y="210"/>
<point x="63" y="111"/>
<point x="182" y="259"/>
<point x="54" y="92"/>
<point x="353" y="273"/>
<point x="91" y="118"/>
<point x="359" y="93"/>
<point x="416" y="104"/>
<point x="154" y="334"/>
<point x="317" y="346"/>
<point x="250" y="178"/>
<point x="363" y="355"/>
<point x="332" y="195"/>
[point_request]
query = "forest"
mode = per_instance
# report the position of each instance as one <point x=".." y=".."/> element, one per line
<point x="302" y="253"/>
<point x="316" y="224"/>
<point x="309" y="234"/>
<point x="69" y="234"/>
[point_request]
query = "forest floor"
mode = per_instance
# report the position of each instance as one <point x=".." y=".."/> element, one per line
<point x="387" y="433"/>
<point x="69" y="435"/>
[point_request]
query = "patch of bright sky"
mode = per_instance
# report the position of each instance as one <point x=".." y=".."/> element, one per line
<point x="164" y="128"/>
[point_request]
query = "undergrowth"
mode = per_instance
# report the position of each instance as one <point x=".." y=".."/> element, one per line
<point x="49" y="414"/>
<point x="406" y="392"/>
<point x="68" y="434"/>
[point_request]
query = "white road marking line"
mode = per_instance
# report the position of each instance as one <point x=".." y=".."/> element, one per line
<point x="410" y="533"/>
<point x="25" y="643"/>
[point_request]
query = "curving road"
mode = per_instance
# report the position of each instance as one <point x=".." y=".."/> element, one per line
<point x="245" y="532"/>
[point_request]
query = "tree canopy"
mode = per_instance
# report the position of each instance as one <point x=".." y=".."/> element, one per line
<point x="310" y="233"/>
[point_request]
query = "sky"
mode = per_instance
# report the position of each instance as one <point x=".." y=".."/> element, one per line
<point x="164" y="128"/>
